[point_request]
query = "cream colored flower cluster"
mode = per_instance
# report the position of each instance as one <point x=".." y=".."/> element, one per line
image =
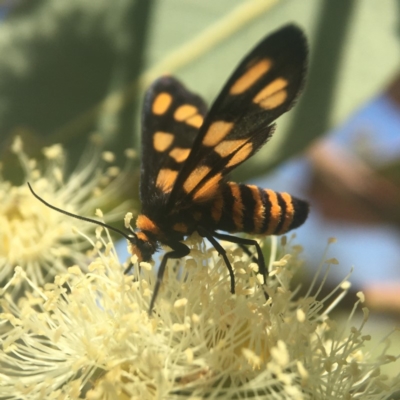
<point x="38" y="239"/>
<point x="89" y="335"/>
<point x="81" y="328"/>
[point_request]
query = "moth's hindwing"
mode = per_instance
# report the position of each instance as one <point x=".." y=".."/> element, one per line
<point x="172" y="117"/>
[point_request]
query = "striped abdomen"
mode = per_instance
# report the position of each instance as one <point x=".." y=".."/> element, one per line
<point x="248" y="208"/>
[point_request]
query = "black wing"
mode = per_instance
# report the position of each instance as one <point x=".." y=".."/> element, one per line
<point x="263" y="87"/>
<point x="171" y="117"/>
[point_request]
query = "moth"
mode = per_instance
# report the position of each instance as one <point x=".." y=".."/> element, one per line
<point x="188" y="153"/>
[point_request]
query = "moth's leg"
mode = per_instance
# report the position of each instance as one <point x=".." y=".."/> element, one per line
<point x="221" y="251"/>
<point x="262" y="269"/>
<point x="248" y="252"/>
<point x="129" y="268"/>
<point x="179" y="250"/>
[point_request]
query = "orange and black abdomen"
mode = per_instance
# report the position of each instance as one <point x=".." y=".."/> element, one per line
<point x="250" y="209"/>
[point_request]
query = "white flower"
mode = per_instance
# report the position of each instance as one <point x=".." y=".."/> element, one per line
<point x="40" y="240"/>
<point x="90" y="335"/>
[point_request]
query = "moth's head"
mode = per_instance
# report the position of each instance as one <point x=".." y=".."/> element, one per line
<point x="141" y="245"/>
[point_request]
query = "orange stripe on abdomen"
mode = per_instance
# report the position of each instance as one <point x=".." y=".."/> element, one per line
<point x="250" y="209"/>
<point x="273" y="212"/>
<point x="259" y="208"/>
<point x="237" y="208"/>
<point x="216" y="208"/>
<point x="288" y="214"/>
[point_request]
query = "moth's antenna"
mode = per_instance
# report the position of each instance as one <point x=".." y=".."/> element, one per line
<point x="93" y="221"/>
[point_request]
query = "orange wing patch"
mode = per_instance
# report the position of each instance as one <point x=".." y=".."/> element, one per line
<point x="208" y="190"/>
<point x="179" y="154"/>
<point x="227" y="147"/>
<point x="144" y="223"/>
<point x="273" y="95"/>
<point x="241" y="155"/>
<point x="161" y="103"/>
<point x="195" y="177"/>
<point x="196" y="121"/>
<point x="251" y="76"/>
<point x="166" y="179"/>
<point x="184" y="112"/>
<point x="188" y="114"/>
<point x="217" y="131"/>
<point x="162" y="140"/>
<point x="274" y="101"/>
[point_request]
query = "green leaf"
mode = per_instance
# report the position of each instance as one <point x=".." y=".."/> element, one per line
<point x="60" y="60"/>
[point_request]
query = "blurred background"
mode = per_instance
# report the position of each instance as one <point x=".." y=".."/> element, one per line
<point x="69" y="68"/>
